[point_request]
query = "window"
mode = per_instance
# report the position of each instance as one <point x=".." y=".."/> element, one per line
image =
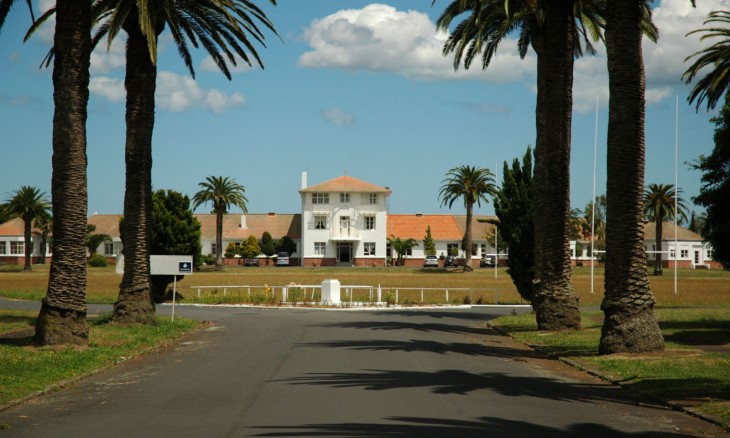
<point x="474" y="249"/>
<point x="683" y="253"/>
<point x="17" y="248"/>
<point x="320" y="222"/>
<point x="709" y="252"/>
<point x="369" y="222"/>
<point x="320" y="198"/>
<point x="373" y="198"/>
<point x="483" y="247"/>
<point x="409" y="252"/>
<point x="109" y="248"/>
<point x="369" y="248"/>
<point x="212" y="249"/>
<point x="452" y="248"/>
<point x="319" y="248"/>
<point x="3" y="248"/>
<point x="672" y="254"/>
<point x="344" y="198"/>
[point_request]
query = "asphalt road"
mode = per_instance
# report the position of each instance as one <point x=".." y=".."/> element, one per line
<point x="291" y="373"/>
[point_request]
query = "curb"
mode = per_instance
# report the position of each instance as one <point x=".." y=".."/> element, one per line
<point x="595" y="373"/>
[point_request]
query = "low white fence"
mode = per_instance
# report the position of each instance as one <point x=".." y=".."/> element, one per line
<point x="356" y="294"/>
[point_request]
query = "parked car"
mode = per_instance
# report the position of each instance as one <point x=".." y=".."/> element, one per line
<point x="487" y="261"/>
<point x="251" y="262"/>
<point x="431" y="261"/>
<point x="450" y="261"/>
<point x="282" y="259"/>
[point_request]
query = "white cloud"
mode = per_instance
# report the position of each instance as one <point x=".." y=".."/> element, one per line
<point x="338" y="116"/>
<point x="110" y="88"/>
<point x="174" y="93"/>
<point x="180" y="93"/>
<point x="663" y="61"/>
<point x="104" y="61"/>
<point x="380" y="38"/>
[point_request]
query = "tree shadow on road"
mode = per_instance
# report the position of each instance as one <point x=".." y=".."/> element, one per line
<point x="435" y="427"/>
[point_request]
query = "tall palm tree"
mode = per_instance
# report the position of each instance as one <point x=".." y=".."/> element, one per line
<point x="714" y="84"/>
<point x="222" y="192"/>
<point x="28" y="203"/>
<point x="62" y="318"/>
<point x="629" y="324"/>
<point x="45" y="225"/>
<point x="659" y="206"/>
<point x="553" y="34"/>
<point x="225" y="28"/>
<point x="473" y="184"/>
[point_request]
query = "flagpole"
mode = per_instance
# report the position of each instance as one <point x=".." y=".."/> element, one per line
<point x="676" y="186"/>
<point x="593" y="199"/>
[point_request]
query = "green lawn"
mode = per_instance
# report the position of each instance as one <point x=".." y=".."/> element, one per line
<point x="693" y="371"/>
<point x="25" y="369"/>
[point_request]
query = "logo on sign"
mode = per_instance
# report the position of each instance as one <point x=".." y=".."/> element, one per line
<point x="185" y="267"/>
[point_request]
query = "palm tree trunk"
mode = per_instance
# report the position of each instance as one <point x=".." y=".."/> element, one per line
<point x="28" y="247"/>
<point x="629" y="323"/>
<point x="556" y="304"/>
<point x="658" y="269"/>
<point x="135" y="304"/>
<point x="62" y="318"/>
<point x="467" y="236"/>
<point x="219" y="240"/>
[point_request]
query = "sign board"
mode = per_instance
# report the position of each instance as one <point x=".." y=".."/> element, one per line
<point x="164" y="264"/>
<point x="171" y="264"/>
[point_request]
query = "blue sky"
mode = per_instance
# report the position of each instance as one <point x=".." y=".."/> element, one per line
<point x="352" y="87"/>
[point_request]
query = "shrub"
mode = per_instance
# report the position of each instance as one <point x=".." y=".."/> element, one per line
<point x="97" y="261"/>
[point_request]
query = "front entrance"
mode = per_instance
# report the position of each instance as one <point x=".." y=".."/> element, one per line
<point x="344" y="252"/>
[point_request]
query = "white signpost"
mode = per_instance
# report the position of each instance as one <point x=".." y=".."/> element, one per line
<point x="166" y="265"/>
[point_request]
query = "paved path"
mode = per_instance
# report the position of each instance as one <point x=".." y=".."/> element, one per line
<point x="289" y="373"/>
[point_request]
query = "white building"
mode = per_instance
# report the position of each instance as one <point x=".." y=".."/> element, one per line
<point x="344" y="221"/>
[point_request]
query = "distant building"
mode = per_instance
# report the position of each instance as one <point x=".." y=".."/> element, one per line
<point x="345" y="222"/>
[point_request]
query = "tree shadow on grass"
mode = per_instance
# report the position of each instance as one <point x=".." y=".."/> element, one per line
<point x="438" y="428"/>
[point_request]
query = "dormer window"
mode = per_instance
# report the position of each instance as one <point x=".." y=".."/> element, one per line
<point x="320" y="198"/>
<point x="344" y="198"/>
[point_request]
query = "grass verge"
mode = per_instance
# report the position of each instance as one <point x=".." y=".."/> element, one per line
<point x="693" y="372"/>
<point x="26" y="369"/>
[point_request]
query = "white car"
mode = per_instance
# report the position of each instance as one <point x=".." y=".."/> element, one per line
<point x="431" y="261"/>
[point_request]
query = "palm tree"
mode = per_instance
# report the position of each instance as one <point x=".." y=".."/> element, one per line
<point x="659" y="206"/>
<point x="222" y="192"/>
<point x="45" y="224"/>
<point x="401" y="247"/>
<point x="225" y="29"/>
<point x="714" y="84"/>
<point x="28" y="203"/>
<point x="555" y="37"/>
<point x="473" y="184"/>
<point x="629" y="324"/>
<point x="62" y="318"/>
<point x="93" y="240"/>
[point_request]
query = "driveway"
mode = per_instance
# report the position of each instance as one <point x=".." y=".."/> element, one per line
<point x="306" y="372"/>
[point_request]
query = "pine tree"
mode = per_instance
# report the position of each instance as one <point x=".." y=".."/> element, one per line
<point x="429" y="247"/>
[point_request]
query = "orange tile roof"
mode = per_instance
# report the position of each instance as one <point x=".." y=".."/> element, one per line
<point x="105" y="224"/>
<point x="413" y="226"/>
<point x="16" y="227"/>
<point x="668" y="232"/>
<point x="278" y="225"/>
<point x="13" y="227"/>
<point x="346" y="184"/>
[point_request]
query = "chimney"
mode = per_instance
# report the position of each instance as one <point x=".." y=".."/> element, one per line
<point x="304" y="180"/>
<point x="243" y="221"/>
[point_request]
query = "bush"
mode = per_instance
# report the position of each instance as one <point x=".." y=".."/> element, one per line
<point x="98" y="261"/>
